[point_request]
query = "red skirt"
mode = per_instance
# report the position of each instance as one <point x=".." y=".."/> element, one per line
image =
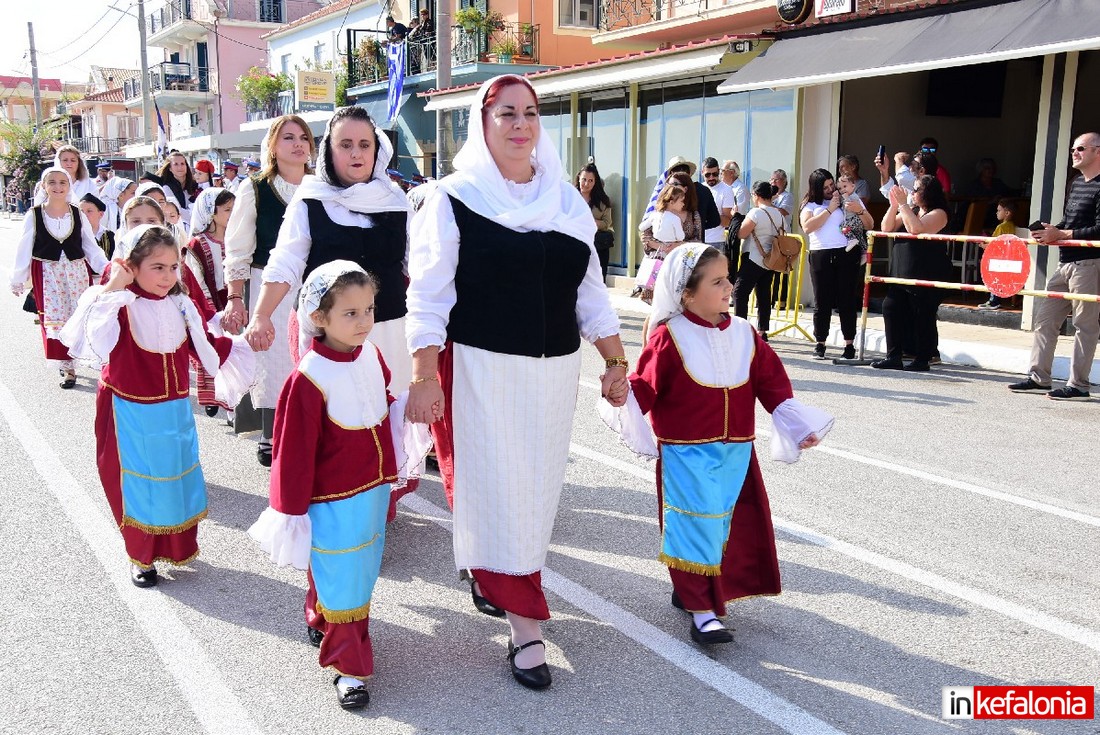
<point x="750" y="565"/>
<point x="143" y="548"/>
<point x="346" y="647"/>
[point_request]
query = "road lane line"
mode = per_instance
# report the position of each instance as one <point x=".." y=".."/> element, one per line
<point x="216" y="707"/>
<point x="969" y="487"/>
<point x="758" y="700"/>
<point x="1062" y="628"/>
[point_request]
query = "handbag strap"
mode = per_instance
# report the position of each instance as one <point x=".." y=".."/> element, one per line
<point x="779" y="230"/>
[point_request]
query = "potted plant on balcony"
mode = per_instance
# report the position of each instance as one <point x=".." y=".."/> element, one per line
<point x="527" y="38"/>
<point x="368" y="58"/>
<point x="505" y="49"/>
<point x="469" y="18"/>
<point x="258" y="89"/>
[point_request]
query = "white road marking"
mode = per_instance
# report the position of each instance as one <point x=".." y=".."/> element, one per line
<point x="752" y="696"/>
<point x="215" y="705"/>
<point x="969" y="487"/>
<point x="1063" y="628"/>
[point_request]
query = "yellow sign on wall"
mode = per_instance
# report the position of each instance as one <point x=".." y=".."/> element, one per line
<point x="316" y="90"/>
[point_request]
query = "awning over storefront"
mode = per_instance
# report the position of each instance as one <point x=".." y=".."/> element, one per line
<point x="932" y="40"/>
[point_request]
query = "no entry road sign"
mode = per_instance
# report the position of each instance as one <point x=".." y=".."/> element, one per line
<point x="1006" y="265"/>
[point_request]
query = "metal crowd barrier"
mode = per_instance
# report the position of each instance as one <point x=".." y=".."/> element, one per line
<point x="868" y="279"/>
<point x="786" y="295"/>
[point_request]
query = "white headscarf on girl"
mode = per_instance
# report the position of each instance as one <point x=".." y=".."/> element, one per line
<point x="313" y="290"/>
<point x="377" y="194"/>
<point x="111" y="192"/>
<point x="202" y="213"/>
<point x="668" y="291"/>
<point x="479" y="184"/>
<point x="53" y="170"/>
<point x="148" y="186"/>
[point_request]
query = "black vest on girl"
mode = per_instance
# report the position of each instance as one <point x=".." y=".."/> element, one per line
<point x="516" y="291"/>
<point x="380" y="250"/>
<point x="269" y="217"/>
<point x="48" y="247"/>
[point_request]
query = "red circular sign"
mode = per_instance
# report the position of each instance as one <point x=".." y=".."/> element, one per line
<point x="1006" y="265"/>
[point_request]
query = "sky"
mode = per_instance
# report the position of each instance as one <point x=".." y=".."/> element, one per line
<point x="70" y="36"/>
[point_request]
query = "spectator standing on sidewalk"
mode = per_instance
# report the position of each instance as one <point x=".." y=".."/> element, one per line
<point x="1078" y="273"/>
<point x="783" y="199"/>
<point x="723" y="199"/>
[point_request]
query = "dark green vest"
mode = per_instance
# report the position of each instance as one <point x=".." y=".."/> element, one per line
<point x="269" y="217"/>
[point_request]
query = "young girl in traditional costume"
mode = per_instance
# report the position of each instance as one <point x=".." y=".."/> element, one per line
<point x="202" y="257"/>
<point x="337" y="453"/>
<point x="57" y="252"/>
<point x="699" y="377"/>
<point x="141" y="329"/>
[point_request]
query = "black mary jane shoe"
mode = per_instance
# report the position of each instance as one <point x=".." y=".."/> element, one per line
<point x="263" y="456"/>
<point x="68" y="380"/>
<point x="483" y="605"/>
<point x="352" y="697"/>
<point x="536" y="678"/>
<point x="676" y="603"/>
<point x="211" y="411"/>
<point x="315" y="636"/>
<point x="888" y="363"/>
<point x="143" y="577"/>
<point x="710" y="637"/>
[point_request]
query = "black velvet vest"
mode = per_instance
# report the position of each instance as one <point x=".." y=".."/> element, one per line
<point x="48" y="247"/>
<point x="517" y="291"/>
<point x="269" y="217"/>
<point x="380" y="250"/>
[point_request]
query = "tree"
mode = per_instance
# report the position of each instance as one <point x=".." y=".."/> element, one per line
<point x="26" y="153"/>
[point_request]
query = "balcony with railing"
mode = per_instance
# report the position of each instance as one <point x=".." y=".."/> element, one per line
<point x="508" y="43"/>
<point x="100" y="146"/>
<point x="282" y="104"/>
<point x="176" y="86"/>
<point x="173" y="23"/>
<point x="677" y="20"/>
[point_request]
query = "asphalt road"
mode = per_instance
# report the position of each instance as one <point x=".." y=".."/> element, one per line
<point x="946" y="533"/>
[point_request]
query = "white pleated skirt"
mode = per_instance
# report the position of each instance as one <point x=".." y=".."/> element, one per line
<point x="512" y="420"/>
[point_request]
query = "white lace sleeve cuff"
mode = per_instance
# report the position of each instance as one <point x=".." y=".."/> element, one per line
<point x="411" y="441"/>
<point x="92" y="332"/>
<point x="793" y="423"/>
<point x="285" y="538"/>
<point x="236" y="374"/>
<point x="630" y="424"/>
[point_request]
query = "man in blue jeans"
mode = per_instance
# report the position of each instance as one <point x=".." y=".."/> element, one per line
<point x="1078" y="272"/>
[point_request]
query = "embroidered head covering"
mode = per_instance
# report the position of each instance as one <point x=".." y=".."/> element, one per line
<point x="128" y="240"/>
<point x="313" y="290"/>
<point x="114" y="188"/>
<point x="553" y="205"/>
<point x="202" y="214"/>
<point x="377" y="194"/>
<point x="53" y="170"/>
<point x="668" y="291"/>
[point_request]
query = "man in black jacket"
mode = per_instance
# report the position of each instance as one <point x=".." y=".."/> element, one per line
<point x="1079" y="273"/>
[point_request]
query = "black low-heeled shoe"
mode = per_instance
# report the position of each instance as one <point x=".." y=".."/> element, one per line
<point x="211" y="411"/>
<point x="352" y="697"/>
<point x="483" y="605"/>
<point x="676" y="603"/>
<point x="143" y="577"/>
<point x="315" y="636"/>
<point x="917" y="366"/>
<point x="68" y="380"/>
<point x="888" y="363"/>
<point x="710" y="637"/>
<point x="263" y="456"/>
<point x="537" y="677"/>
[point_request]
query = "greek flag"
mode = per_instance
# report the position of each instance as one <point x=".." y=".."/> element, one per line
<point x="396" y="62"/>
<point x="162" y="136"/>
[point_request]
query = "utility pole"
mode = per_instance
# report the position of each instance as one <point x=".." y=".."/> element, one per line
<point x="442" y="81"/>
<point x="145" y="125"/>
<point x="34" y="78"/>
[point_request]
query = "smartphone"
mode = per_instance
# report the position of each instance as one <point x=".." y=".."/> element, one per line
<point x="1036" y="225"/>
<point x="882" y="152"/>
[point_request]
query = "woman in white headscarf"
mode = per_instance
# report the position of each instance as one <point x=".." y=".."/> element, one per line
<point x="505" y="283"/>
<point x="699" y="377"/>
